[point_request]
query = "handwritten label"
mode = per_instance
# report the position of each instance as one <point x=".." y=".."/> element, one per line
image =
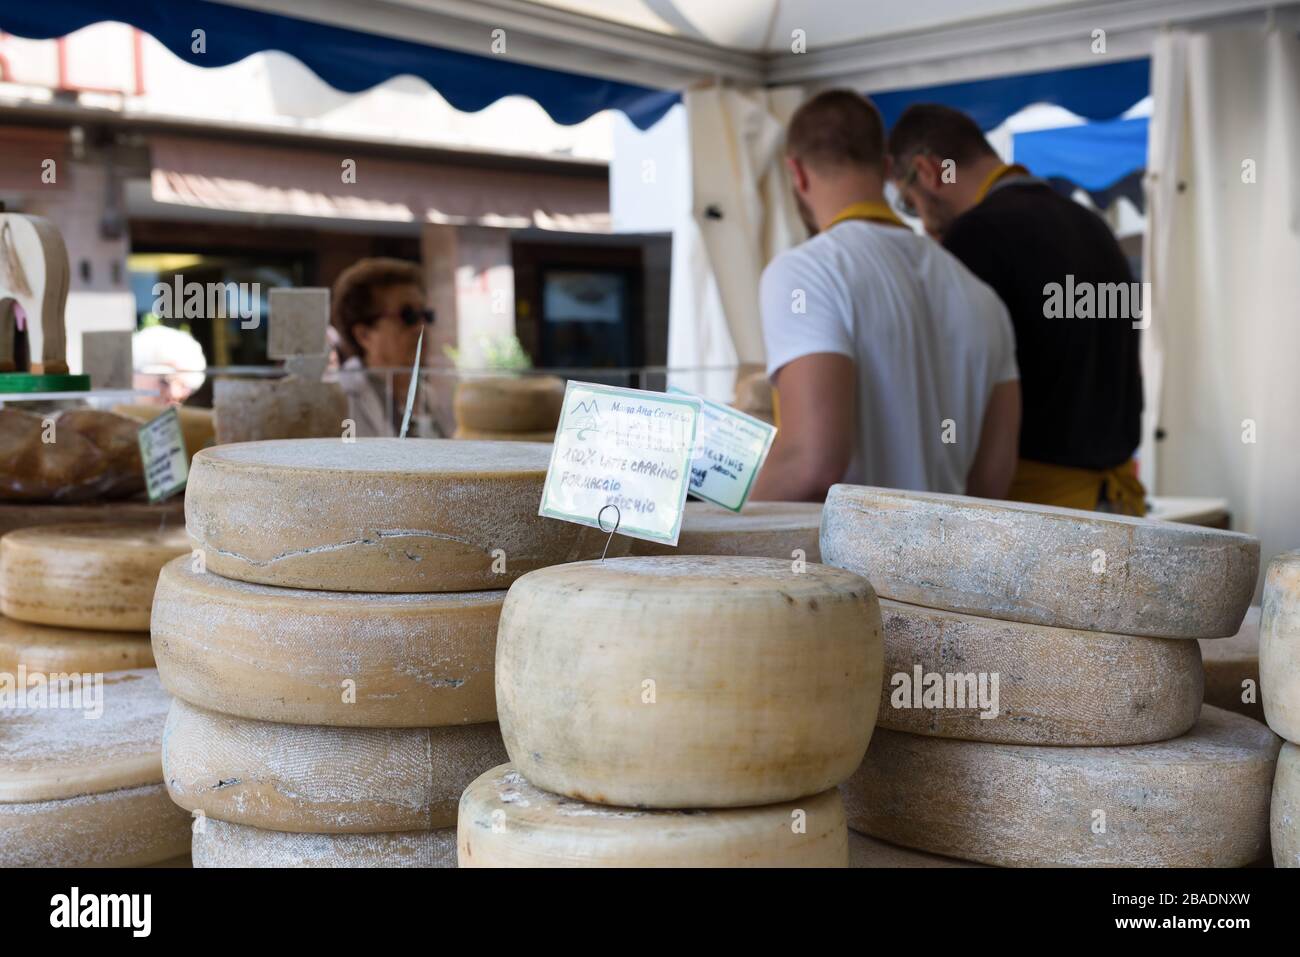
<point x="162" y="450"/>
<point x="626" y="448"/>
<point x="730" y="448"/>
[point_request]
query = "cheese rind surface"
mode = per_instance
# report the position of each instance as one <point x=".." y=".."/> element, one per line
<point x="760" y="530"/>
<point x="866" y="851"/>
<point x="1284" y="812"/>
<point x="379" y="515"/>
<point x="1042" y="565"/>
<point x="1279" y="646"/>
<point x="507" y="822"/>
<point x="223" y="844"/>
<point x="688" y="682"/>
<point x="322" y="780"/>
<point x="482" y="435"/>
<point x="509" y="403"/>
<point x="52" y="650"/>
<point x="1201" y="800"/>
<point x="327" y="658"/>
<point x="1232" y="669"/>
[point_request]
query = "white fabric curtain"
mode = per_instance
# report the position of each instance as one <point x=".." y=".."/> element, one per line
<point x="1223" y="257"/>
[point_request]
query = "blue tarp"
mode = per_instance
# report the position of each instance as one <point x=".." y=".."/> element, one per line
<point x="1095" y="92"/>
<point x="1094" y="155"/>
<point x="347" y="60"/>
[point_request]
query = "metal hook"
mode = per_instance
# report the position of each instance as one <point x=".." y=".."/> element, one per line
<point x="618" y="518"/>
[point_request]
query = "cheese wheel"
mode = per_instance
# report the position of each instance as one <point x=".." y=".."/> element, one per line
<point x="15" y="515"/>
<point x="688" y="681"/>
<point x="1279" y="646"/>
<point x="760" y="530"/>
<point x="223" y="844"/>
<point x="1232" y="669"/>
<point x="288" y="655"/>
<point x="1196" y="801"/>
<point x="509" y="403"/>
<point x="1284" y="813"/>
<point x="379" y="515"/>
<point x="50" y="753"/>
<point x="1041" y="565"/>
<point x="85" y="576"/>
<point x="288" y="777"/>
<point x="944" y="671"/>
<point x="866" y="851"/>
<point x="60" y="650"/>
<point x="507" y="822"/>
<point x="130" y="827"/>
<point x="484" y="435"/>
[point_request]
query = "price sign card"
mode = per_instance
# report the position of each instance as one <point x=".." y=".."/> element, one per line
<point x="730" y="448"/>
<point x="626" y="448"/>
<point x="162" y="450"/>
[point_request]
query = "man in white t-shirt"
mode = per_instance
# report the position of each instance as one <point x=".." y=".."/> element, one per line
<point x="893" y="364"/>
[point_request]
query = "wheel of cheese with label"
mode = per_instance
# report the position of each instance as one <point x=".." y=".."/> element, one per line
<point x="484" y="435"/>
<point x="53" y="650"/>
<point x="689" y="682"/>
<point x="223" y="844"/>
<point x="509" y="403"/>
<point x="1232" y="669"/>
<point x="327" y="658"/>
<point x="1284" y="812"/>
<point x="379" y="515"/>
<point x="99" y="577"/>
<point x="1041" y="565"/>
<point x="507" y="822"/>
<point x="1279" y="646"/>
<point x="1201" y="800"/>
<point x="945" y="671"/>
<point x="786" y="530"/>
<point x="320" y="780"/>
<point x="866" y="851"/>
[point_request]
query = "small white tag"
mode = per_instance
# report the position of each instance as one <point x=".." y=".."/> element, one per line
<point x="730" y="448"/>
<point x="162" y="451"/>
<point x="626" y="448"/>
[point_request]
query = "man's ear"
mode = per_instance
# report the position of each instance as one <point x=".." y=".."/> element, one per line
<point x="798" y="174"/>
<point x="928" y="172"/>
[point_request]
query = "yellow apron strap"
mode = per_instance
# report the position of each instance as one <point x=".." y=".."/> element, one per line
<point x="1068" y="487"/>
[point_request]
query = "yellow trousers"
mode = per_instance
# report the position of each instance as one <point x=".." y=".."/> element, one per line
<point x="1068" y="487"/>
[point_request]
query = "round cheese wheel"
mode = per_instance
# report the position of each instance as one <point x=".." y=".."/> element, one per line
<point x="223" y="844"/>
<point x="1042" y="565"/>
<point x="1232" y="669"/>
<point x="1284" y="823"/>
<point x="85" y="576"/>
<point x="507" y="822"/>
<point x="1279" y="646"/>
<point x="483" y="435"/>
<point x="329" y="658"/>
<point x="1196" y="801"/>
<point x="509" y="403"/>
<point x="130" y="827"/>
<point x="50" y="753"/>
<point x="689" y="681"/>
<point x="945" y="672"/>
<point x="318" y="780"/>
<point x="760" y="530"/>
<point x="379" y="515"/>
<point x="866" y="851"/>
<point x="62" y="650"/>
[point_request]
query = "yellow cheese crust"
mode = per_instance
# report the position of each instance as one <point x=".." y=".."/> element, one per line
<point x="47" y="649"/>
<point x="223" y="844"/>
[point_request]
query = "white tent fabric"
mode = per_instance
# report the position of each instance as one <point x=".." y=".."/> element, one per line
<point x="1223" y="248"/>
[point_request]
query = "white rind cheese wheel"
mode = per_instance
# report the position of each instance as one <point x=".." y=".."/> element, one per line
<point x="288" y="777"/>
<point x="131" y="827"/>
<point x="62" y="650"/>
<point x="282" y="654"/>
<point x="507" y="822"/>
<point x="1279" y="646"/>
<point x="509" y="403"/>
<point x="760" y="530"/>
<point x="1196" y="801"/>
<point x="1284" y="813"/>
<point x="1041" y="565"/>
<point x="866" y="851"/>
<point x="223" y="844"/>
<point x="482" y="435"/>
<point x="1040" y="685"/>
<point x="688" y="682"/>
<point x="1232" y="669"/>
<point x="378" y="515"/>
<point x="85" y="576"/>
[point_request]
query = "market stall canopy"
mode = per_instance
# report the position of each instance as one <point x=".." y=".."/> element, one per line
<point x="1094" y="156"/>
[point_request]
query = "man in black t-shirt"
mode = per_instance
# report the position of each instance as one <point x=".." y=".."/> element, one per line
<point x="1064" y="279"/>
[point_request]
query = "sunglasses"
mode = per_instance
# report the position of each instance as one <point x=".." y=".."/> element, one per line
<point x="411" y="316"/>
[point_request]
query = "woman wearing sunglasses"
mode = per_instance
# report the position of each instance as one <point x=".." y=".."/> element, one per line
<point x="379" y="309"/>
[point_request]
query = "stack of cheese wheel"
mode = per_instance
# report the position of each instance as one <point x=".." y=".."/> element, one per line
<point x="677" y="712"/>
<point x="1042" y="690"/>
<point x="510" y="409"/>
<point x="787" y="530"/>
<point x="80" y="775"/>
<point x="330" y="642"/>
<point x="1279" y="669"/>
